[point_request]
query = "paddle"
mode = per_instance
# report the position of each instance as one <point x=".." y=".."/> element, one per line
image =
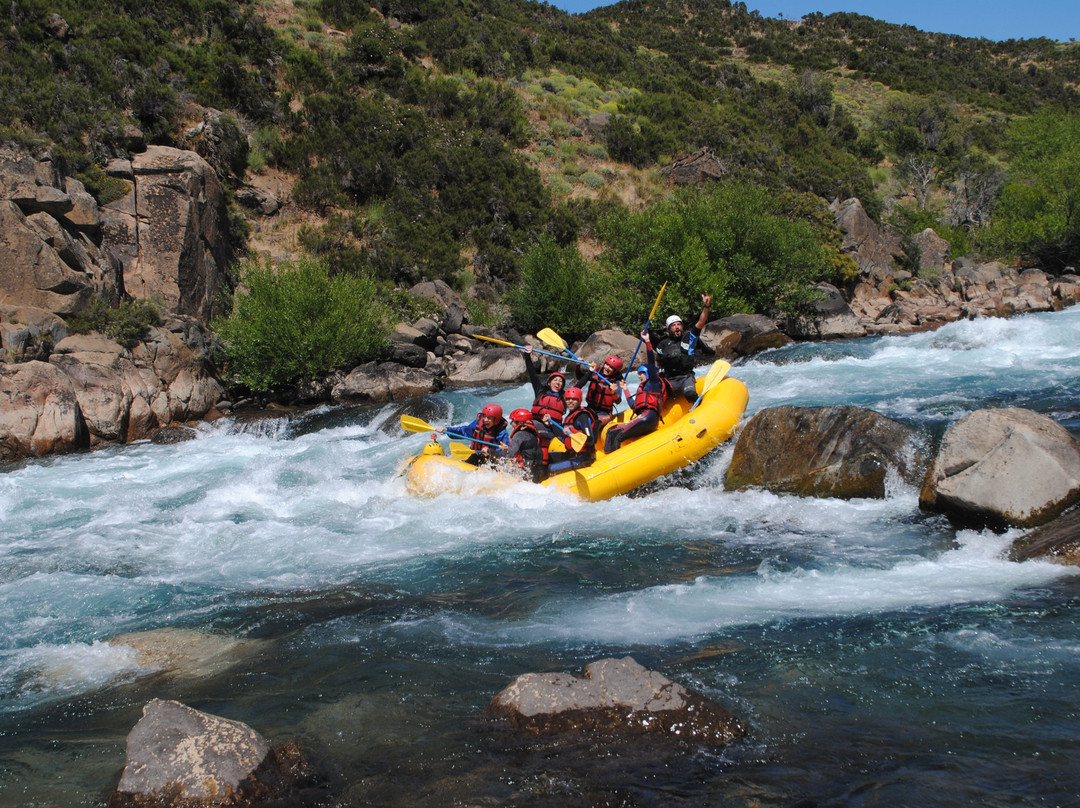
<point x="648" y="322"/>
<point x="519" y="347"/>
<point x="577" y="439"/>
<point x="549" y="337"/>
<point x="411" y="424"/>
<point x="555" y="341"/>
<point x="715" y="375"/>
<point x="459" y="451"/>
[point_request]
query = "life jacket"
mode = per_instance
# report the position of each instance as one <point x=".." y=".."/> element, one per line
<point x="480" y="433"/>
<point x="674" y="357"/>
<point x="651" y="399"/>
<point x="600" y="398"/>
<point x="589" y="427"/>
<point x="541" y="454"/>
<point x="549" y="403"/>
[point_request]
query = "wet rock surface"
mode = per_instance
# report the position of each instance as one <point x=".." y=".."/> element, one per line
<point x="844" y="452"/>
<point x="618" y="697"/>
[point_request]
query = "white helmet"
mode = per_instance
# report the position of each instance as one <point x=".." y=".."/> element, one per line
<point x="672" y="319"/>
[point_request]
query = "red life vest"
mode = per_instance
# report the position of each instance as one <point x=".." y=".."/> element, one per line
<point x="574" y="424"/>
<point x="549" y="403"/>
<point x="480" y="433"/>
<point x="600" y="397"/>
<point x="650" y="399"/>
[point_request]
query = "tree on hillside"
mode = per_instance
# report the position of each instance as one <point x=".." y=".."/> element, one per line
<point x="733" y="241"/>
<point x="1037" y="218"/>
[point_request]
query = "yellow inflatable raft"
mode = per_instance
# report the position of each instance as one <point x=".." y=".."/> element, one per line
<point x="683" y="437"/>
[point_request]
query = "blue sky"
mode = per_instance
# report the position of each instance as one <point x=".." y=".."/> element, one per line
<point x="993" y="19"/>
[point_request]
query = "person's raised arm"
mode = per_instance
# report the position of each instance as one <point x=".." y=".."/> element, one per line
<point x="703" y="318"/>
<point x="534" y="376"/>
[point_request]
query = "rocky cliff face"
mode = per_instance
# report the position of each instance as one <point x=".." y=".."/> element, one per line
<point x="169" y="234"/>
<point x="165" y="241"/>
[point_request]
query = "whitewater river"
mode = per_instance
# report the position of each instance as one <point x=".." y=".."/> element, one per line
<point x="879" y="656"/>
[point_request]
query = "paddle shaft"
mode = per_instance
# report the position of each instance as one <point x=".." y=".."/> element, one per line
<point x="648" y="322"/>
<point x="522" y="348"/>
<point x="411" y="424"/>
<point x="474" y="440"/>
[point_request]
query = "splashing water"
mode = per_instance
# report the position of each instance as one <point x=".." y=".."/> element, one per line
<point x="880" y="657"/>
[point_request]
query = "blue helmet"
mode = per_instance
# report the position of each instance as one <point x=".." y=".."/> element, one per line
<point x="643" y="369"/>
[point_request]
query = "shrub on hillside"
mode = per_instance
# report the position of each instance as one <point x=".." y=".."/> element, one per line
<point x="1037" y="217"/>
<point x="732" y="241"/>
<point x="556" y="290"/>
<point x="294" y="323"/>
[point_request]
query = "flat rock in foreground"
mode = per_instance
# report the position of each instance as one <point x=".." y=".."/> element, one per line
<point x="1058" y="541"/>
<point x="615" y="695"/>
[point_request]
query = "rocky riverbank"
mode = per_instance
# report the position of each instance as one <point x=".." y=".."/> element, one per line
<point x="165" y="239"/>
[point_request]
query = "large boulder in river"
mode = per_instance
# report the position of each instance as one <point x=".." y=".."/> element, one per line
<point x="843" y="452"/>
<point x="384" y="382"/>
<point x="742" y="335"/>
<point x="491" y="367"/>
<point x="179" y="756"/>
<point x="1004" y="467"/>
<point x="602" y="344"/>
<point x="617" y="696"/>
<point x="829" y="318"/>
<point x="39" y="412"/>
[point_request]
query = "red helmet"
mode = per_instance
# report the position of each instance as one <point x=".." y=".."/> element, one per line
<point x="614" y="363"/>
<point x="558" y="373"/>
<point x="521" y="414"/>
<point x="494" y="410"/>
<point x="573" y="392"/>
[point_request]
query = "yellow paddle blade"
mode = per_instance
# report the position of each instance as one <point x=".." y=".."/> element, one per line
<point x="551" y="338"/>
<point x="716" y="374"/>
<point x="577" y="440"/>
<point x="556" y="445"/>
<point x="460" y="451"/>
<point x="492" y="339"/>
<point x="410" y="424"/>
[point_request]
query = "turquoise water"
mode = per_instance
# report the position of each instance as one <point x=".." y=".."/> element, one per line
<point x="879" y="657"/>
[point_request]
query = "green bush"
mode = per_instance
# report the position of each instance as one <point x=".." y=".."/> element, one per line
<point x="733" y="241"/>
<point x="127" y="323"/>
<point x="295" y="323"/>
<point x="1037" y="217"/>
<point x="556" y="290"/>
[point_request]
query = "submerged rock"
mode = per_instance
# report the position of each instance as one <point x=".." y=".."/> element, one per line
<point x="188" y="653"/>
<point x="618" y="696"/>
<point x="179" y="756"/>
<point x="1004" y="467"/>
<point x="843" y="452"/>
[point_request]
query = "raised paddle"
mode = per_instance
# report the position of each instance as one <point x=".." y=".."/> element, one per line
<point x="648" y="322"/>
<point x="549" y="337"/>
<point x="411" y="424"/>
<point x="715" y="375"/>
<point x="519" y="347"/>
<point x="555" y="341"/>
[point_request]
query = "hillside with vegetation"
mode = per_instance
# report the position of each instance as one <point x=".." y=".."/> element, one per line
<point x="515" y="151"/>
